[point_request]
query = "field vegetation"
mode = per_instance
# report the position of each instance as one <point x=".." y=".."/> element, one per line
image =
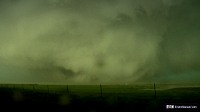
<point x="96" y="98"/>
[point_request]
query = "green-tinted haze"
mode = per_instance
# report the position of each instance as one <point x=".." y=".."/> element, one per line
<point x="99" y="41"/>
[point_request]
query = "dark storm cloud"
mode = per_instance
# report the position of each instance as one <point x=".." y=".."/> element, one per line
<point x="91" y="41"/>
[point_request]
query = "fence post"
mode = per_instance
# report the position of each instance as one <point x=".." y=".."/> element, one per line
<point x="67" y="89"/>
<point x="154" y="90"/>
<point x="48" y="88"/>
<point x="23" y="87"/>
<point x="101" y="89"/>
<point x="33" y="88"/>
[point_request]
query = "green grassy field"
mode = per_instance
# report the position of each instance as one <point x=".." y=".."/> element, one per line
<point x="94" y="98"/>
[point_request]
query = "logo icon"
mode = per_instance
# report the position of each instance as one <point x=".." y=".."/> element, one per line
<point x="169" y="106"/>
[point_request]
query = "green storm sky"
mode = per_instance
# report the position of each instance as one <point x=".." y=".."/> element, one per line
<point x="99" y="41"/>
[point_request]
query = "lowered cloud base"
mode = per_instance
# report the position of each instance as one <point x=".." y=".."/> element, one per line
<point x="92" y="42"/>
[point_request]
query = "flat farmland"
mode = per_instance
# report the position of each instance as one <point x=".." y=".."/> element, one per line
<point x="97" y="98"/>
